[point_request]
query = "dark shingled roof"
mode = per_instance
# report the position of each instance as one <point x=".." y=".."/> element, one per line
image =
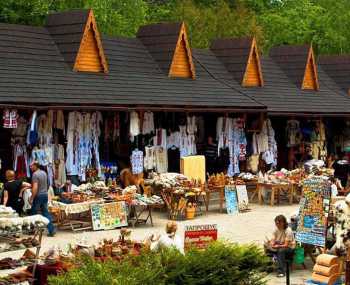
<point x="292" y="60"/>
<point x="279" y="94"/>
<point x="28" y="46"/>
<point x="338" y="68"/>
<point x="66" y="29"/>
<point x="160" y="40"/>
<point x="234" y="53"/>
<point x="33" y="71"/>
<point x="283" y="97"/>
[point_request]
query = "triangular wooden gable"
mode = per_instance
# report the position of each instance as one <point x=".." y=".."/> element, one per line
<point x="310" y="80"/>
<point x="253" y="74"/>
<point x="182" y="64"/>
<point x="90" y="56"/>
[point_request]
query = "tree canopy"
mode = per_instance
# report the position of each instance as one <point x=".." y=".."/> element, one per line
<point x="324" y="23"/>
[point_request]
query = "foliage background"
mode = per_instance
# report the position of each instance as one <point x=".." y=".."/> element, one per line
<point x="324" y="23"/>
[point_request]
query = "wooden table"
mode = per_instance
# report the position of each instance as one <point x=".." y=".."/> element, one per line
<point x="276" y="190"/>
<point x="215" y="189"/>
<point x="138" y="211"/>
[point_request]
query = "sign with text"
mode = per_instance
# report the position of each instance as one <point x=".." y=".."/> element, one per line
<point x="231" y="199"/>
<point x="199" y="236"/>
<point x="109" y="216"/>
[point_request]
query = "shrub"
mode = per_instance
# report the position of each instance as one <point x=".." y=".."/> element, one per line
<point x="221" y="263"/>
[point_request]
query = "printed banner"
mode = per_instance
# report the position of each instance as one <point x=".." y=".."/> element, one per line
<point x="231" y="199"/>
<point x="313" y="212"/>
<point x="242" y="197"/>
<point x="109" y="216"/>
<point x="199" y="236"/>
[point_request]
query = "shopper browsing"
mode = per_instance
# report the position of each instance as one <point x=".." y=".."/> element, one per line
<point x="13" y="192"/>
<point x="39" y="198"/>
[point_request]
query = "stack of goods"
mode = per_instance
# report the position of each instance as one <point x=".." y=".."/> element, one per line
<point x="326" y="270"/>
<point x="246" y="176"/>
<point x="127" y="195"/>
<point x="108" y="248"/>
<point x="144" y="201"/>
<point x="296" y="176"/>
<point x="313" y="166"/>
<point x="167" y="180"/>
<point x="217" y="180"/>
<point x="20" y="278"/>
<point x="17" y="224"/>
<point x="18" y="244"/>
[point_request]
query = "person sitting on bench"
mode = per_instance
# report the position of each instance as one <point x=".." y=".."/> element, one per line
<point x="282" y="243"/>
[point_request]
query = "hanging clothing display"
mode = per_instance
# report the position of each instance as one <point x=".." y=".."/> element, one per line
<point x="270" y="156"/>
<point x="161" y="138"/>
<point x="150" y="158"/>
<point x="32" y="133"/>
<point x="83" y="132"/>
<point x="237" y="145"/>
<point x="134" y="125"/>
<point x="148" y="123"/>
<point x="161" y="160"/>
<point x="293" y="133"/>
<point x="137" y="162"/>
<point x="58" y="121"/>
<point x="191" y="131"/>
<point x="318" y="141"/>
<point x="10" y="119"/>
<point x="20" y="161"/>
<point x="72" y="160"/>
<point x="59" y="168"/>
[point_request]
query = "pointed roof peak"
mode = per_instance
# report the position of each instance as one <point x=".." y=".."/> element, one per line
<point x="169" y="46"/>
<point x="78" y="39"/>
<point x="241" y="58"/>
<point x="299" y="64"/>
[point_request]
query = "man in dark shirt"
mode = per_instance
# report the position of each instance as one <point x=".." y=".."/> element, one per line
<point x="211" y="154"/>
<point x="13" y="190"/>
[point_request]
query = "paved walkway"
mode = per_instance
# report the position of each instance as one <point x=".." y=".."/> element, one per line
<point x="250" y="227"/>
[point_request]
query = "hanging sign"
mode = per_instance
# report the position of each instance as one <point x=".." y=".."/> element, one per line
<point x="109" y="216"/>
<point x="200" y="236"/>
<point x="242" y="197"/>
<point x="313" y="212"/>
<point x="231" y="199"/>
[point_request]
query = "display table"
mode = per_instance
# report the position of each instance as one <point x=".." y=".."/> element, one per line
<point x="76" y="217"/>
<point x="137" y="211"/>
<point x="276" y="190"/>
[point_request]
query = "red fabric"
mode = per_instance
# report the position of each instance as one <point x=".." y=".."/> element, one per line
<point x="43" y="271"/>
<point x="21" y="167"/>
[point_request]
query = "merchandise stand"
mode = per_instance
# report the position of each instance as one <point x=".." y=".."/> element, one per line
<point x="11" y="238"/>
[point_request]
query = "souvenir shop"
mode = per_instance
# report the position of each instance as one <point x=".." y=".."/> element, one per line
<point x="96" y="145"/>
<point x="86" y="145"/>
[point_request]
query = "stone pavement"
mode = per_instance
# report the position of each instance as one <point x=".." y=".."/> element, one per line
<point x="250" y="227"/>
